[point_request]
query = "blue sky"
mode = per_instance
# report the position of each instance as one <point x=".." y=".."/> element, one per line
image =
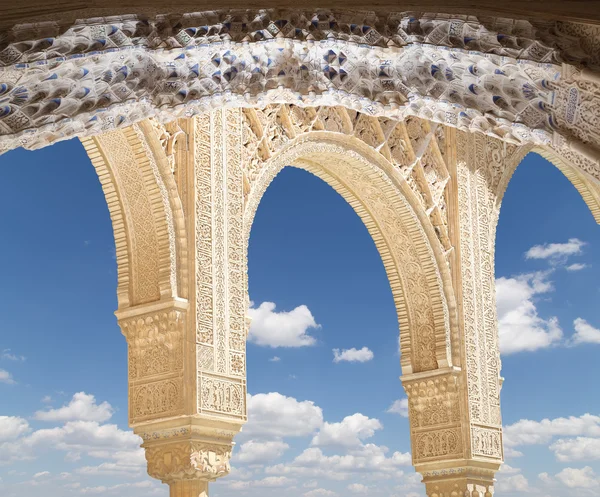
<point x="63" y="397"/>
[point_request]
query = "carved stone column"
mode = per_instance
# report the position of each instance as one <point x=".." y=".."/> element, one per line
<point x="456" y="426"/>
<point x="187" y="368"/>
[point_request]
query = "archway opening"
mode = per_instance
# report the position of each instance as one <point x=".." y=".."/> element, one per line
<point x="64" y="396"/>
<point x="308" y="246"/>
<point x="546" y="284"/>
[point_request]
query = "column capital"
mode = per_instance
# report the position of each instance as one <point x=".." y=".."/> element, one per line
<point x="188" y="448"/>
<point x="466" y="478"/>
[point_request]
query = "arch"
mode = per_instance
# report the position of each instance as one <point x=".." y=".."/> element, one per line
<point x="583" y="174"/>
<point x="418" y="273"/>
<point x="146" y="220"/>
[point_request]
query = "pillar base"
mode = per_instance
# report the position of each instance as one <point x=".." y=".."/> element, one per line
<point x="188" y="488"/>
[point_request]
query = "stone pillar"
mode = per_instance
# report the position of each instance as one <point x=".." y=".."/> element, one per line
<point x="187" y="367"/>
<point x="456" y="426"/>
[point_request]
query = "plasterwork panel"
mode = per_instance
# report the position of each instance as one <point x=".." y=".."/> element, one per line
<point x="222" y="395"/>
<point x="496" y="76"/>
<point x="221" y="268"/>
<point x="143" y="244"/>
<point x="437" y="444"/>
<point x="156" y="364"/>
<point x="188" y="460"/>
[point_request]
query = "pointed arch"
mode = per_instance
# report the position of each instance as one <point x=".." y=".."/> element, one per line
<point x="401" y="229"/>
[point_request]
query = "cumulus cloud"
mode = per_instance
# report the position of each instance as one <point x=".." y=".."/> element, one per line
<point x="348" y="433"/>
<point x="519" y="325"/>
<point x="87" y="437"/>
<point x="82" y="407"/>
<point x="268" y="482"/>
<point x="358" y="488"/>
<point x="399" y="406"/>
<point x="576" y="449"/>
<point x="12" y="427"/>
<point x="270" y="328"/>
<point x="584" y="333"/>
<point x="253" y="452"/>
<point x="275" y="359"/>
<point x="275" y="415"/>
<point x="579" y="478"/>
<point x="527" y="432"/>
<point x="6" y="377"/>
<point x="100" y="490"/>
<point x="352" y="355"/>
<point x="369" y="459"/>
<point x="515" y="483"/>
<point x="556" y="252"/>
<point x="320" y="492"/>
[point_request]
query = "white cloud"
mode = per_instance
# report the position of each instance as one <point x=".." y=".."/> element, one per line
<point x="352" y="355"/>
<point x="46" y="399"/>
<point x="358" y="488"/>
<point x="268" y="482"/>
<point x="576" y="449"/>
<point x="89" y="437"/>
<point x="275" y="359"/>
<point x="508" y="470"/>
<point x="7" y="354"/>
<point x="348" y="433"/>
<point x="515" y="483"/>
<point x="584" y="333"/>
<point x="555" y="251"/>
<point x="579" y="478"/>
<point x="253" y="452"/>
<point x="320" y="492"/>
<point x="270" y="328"/>
<point x="520" y="328"/>
<point x="576" y="267"/>
<point x="370" y="459"/>
<point x="399" y="406"/>
<point x="12" y="427"/>
<point x="275" y="415"/>
<point x="527" y="432"/>
<point x="81" y="407"/>
<point x="148" y="484"/>
<point x="6" y="377"/>
<point x="42" y="474"/>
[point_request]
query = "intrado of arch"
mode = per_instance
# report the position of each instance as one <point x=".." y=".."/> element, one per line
<point x="417" y="270"/>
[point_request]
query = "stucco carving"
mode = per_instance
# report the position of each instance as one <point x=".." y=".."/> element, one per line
<point x="418" y="120"/>
<point x="495" y="76"/>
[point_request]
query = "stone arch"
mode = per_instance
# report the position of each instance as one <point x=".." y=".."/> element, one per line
<point x="133" y="171"/>
<point x="417" y="270"/>
<point x="577" y="169"/>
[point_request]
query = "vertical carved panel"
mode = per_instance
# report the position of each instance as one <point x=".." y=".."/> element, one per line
<point x="219" y="226"/>
<point x="221" y="266"/>
<point x="482" y="167"/>
<point x="235" y="246"/>
<point x="435" y="418"/>
<point x="156" y="351"/>
<point x="143" y="245"/>
<point x="204" y="233"/>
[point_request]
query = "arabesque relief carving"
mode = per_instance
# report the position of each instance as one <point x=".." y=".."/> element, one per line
<point x="418" y="120"/>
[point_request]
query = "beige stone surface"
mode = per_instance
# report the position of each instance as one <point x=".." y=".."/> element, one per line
<point x="371" y="114"/>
